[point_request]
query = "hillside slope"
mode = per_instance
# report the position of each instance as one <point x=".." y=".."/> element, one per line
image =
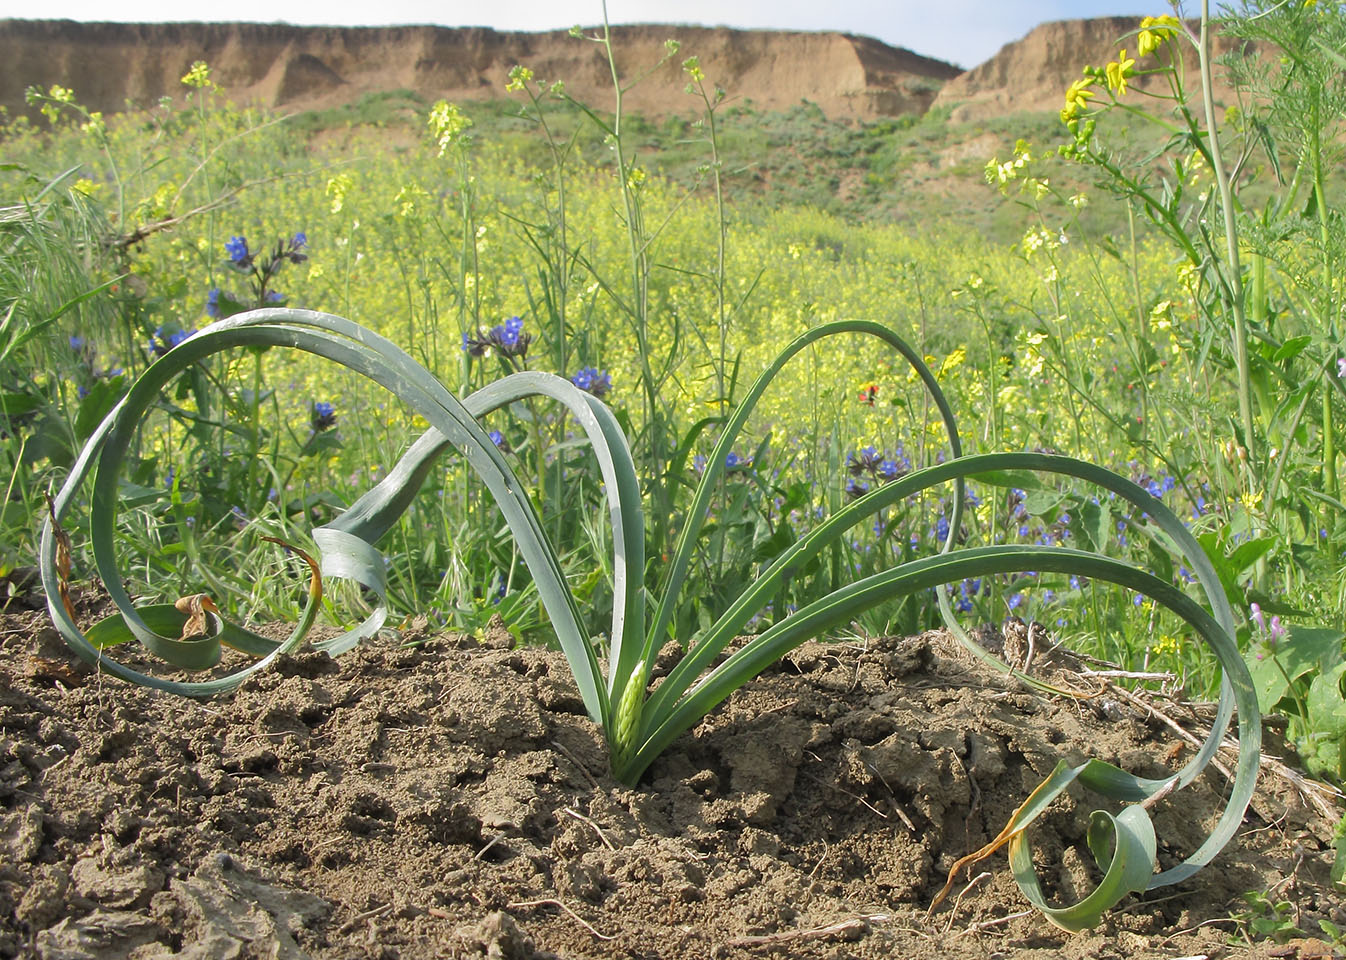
<point x="299" y="68"/>
<point x="1032" y="74"/>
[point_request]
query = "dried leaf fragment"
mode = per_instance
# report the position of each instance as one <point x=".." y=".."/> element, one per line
<point x="196" y="607"/>
<point x="62" y="557"/>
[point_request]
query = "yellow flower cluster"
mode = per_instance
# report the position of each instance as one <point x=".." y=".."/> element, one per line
<point x="1155" y="32"/>
<point x="1167" y="646"/>
<point x="337" y="188"/>
<point x="1119" y="72"/>
<point x="519" y="78"/>
<point x="448" y="124"/>
<point x="1002" y="174"/>
<point x="198" y="77"/>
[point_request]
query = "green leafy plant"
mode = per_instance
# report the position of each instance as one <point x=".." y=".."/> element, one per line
<point x="638" y="724"/>
<point x="1266" y="918"/>
<point x="1298" y="671"/>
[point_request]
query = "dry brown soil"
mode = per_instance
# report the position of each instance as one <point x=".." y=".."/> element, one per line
<point x="450" y="799"/>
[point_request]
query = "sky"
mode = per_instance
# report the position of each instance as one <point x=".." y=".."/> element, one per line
<point x="963" y="32"/>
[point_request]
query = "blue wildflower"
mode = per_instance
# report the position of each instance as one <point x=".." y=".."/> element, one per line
<point x="733" y="461"/>
<point x="275" y="296"/>
<point x="890" y="470"/>
<point x="592" y="380"/>
<point x="322" y="416"/>
<point x="856" y="488"/>
<point x="866" y="460"/>
<point x="508" y="338"/>
<point x="293" y="251"/>
<point x="213" y="302"/>
<point x="239" y="254"/>
<point x="1016" y="600"/>
<point x="162" y="341"/>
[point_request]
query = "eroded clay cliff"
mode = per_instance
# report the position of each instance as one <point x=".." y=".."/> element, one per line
<point x="297" y="68"/>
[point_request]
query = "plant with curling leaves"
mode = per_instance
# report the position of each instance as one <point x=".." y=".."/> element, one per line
<point x="637" y="723"/>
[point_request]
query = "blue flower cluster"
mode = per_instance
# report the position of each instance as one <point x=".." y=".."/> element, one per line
<point x="322" y="416"/>
<point x="239" y="254"/>
<point x="592" y="380"/>
<point x="962" y="600"/>
<point x="508" y="339"/>
<point x="162" y="341"/>
<point x="733" y="463"/>
<point x="877" y="465"/>
<point x="263" y="269"/>
<point x="242" y="258"/>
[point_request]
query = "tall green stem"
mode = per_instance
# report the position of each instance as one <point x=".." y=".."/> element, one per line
<point x="640" y="269"/>
<point x="1234" y="278"/>
<point x="1326" y="311"/>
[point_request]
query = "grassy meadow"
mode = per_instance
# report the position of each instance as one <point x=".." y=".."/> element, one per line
<point x="1137" y="298"/>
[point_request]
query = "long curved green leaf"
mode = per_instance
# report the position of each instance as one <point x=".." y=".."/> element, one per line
<point x="715" y="465"/>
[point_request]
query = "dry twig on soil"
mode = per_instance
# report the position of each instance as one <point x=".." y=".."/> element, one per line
<point x="851" y="929"/>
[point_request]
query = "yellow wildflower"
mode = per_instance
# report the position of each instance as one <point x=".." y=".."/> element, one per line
<point x="1155" y="32"/>
<point x="1167" y="645"/>
<point x="198" y="76"/>
<point x="337" y="188"/>
<point x="953" y="361"/>
<point x="1077" y="98"/>
<point x="519" y="78"/>
<point x="1119" y="72"/>
<point x="448" y="125"/>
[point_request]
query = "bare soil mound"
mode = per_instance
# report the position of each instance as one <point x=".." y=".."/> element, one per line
<point x="451" y="799"/>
